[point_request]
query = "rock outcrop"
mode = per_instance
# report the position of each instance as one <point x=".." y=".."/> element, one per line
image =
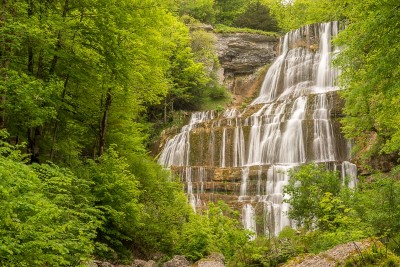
<point x="242" y="56"/>
<point x="334" y="257"/>
<point x="178" y="261"/>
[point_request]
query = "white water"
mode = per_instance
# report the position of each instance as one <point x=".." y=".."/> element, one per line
<point x="291" y="125"/>
<point x="323" y="143"/>
<point x="248" y="220"/>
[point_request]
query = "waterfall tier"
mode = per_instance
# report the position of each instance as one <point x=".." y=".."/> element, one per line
<point x="243" y="157"/>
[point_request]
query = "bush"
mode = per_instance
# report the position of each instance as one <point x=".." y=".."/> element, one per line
<point x="257" y="16"/>
<point x="46" y="217"/>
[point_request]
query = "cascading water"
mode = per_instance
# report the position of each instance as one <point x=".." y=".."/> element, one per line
<point x="243" y="157"/>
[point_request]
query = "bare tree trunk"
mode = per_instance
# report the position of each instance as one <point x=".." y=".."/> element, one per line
<point x="3" y="63"/>
<point x="53" y="141"/>
<point x="3" y="10"/>
<point x="30" y="48"/>
<point x="58" y="44"/>
<point x="33" y="143"/>
<point x="103" y="123"/>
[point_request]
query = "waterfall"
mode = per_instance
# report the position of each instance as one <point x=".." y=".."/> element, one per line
<point x="249" y="221"/>
<point x="243" y="157"/>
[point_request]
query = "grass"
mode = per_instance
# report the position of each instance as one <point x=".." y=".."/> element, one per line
<point x="220" y="28"/>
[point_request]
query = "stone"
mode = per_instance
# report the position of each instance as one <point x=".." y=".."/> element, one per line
<point x="242" y="57"/>
<point x="142" y="263"/>
<point x="177" y="261"/>
<point x="91" y="264"/>
<point x="213" y="260"/>
<point x="245" y="52"/>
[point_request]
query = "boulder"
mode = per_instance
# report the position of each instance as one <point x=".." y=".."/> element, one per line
<point x="213" y="260"/>
<point x="142" y="263"/>
<point x="177" y="261"/>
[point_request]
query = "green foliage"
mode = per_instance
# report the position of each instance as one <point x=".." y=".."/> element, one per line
<point x="228" y="10"/>
<point x="257" y="16"/>
<point x="307" y="189"/>
<point x="46" y="216"/>
<point x="378" y="205"/>
<point x="376" y="255"/>
<point x="202" y="10"/>
<point x="370" y="77"/>
<point x="269" y="251"/>
<point x="165" y="210"/>
<point x="116" y="196"/>
<point x="220" y="28"/>
<point x="295" y="14"/>
<point x="219" y="230"/>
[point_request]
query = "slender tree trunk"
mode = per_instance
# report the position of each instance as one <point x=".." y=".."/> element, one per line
<point x="58" y="44"/>
<point x="3" y="10"/>
<point x="30" y="48"/>
<point x="53" y="141"/>
<point x="40" y="66"/>
<point x="4" y="62"/>
<point x="56" y="123"/>
<point x="103" y="123"/>
<point x="33" y="143"/>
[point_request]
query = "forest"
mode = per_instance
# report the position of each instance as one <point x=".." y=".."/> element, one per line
<point x="87" y="86"/>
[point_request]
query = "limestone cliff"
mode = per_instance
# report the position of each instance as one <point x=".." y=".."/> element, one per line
<point x="242" y="57"/>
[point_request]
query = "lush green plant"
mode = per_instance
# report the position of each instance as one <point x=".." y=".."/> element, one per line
<point x="370" y="75"/>
<point x="226" y="11"/>
<point x="257" y="16"/>
<point x="217" y="230"/>
<point x="271" y="251"/>
<point x="202" y="10"/>
<point x="220" y="28"/>
<point x="47" y="218"/>
<point x="115" y="191"/>
<point x="307" y="187"/>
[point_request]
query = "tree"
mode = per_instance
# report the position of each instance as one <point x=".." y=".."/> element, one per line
<point x="306" y="189"/>
<point x="370" y="79"/>
<point x="295" y="14"/>
<point x="202" y="10"/>
<point x="257" y="16"/>
<point x="46" y="216"/>
<point x="116" y="195"/>
<point x="228" y="10"/>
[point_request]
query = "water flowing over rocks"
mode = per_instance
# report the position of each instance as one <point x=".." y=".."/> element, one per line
<point x="243" y="156"/>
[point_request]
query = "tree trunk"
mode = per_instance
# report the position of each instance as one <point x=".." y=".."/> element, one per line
<point x="33" y="143"/>
<point x="30" y="48"/>
<point x="53" y="141"/>
<point x="103" y="123"/>
<point x="58" y="44"/>
<point x="3" y="10"/>
<point x="3" y="63"/>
